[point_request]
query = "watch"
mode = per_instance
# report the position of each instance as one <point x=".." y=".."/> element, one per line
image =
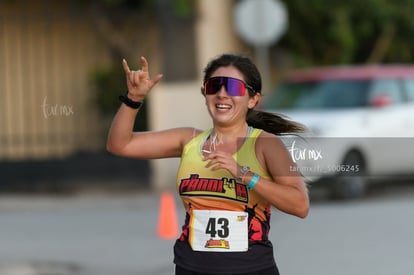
<point x="243" y="171"/>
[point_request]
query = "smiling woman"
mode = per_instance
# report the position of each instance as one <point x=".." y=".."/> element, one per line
<point x="229" y="176"/>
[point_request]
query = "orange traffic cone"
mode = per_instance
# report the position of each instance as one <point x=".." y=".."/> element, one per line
<point x="167" y="219"/>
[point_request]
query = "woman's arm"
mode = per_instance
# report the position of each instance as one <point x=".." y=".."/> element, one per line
<point x="123" y="141"/>
<point x="287" y="191"/>
<point x="150" y="145"/>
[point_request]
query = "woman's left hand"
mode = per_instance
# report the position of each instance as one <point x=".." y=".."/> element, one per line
<point x="222" y="160"/>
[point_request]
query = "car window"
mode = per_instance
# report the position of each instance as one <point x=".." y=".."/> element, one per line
<point x="319" y="95"/>
<point x="387" y="87"/>
<point x="409" y="88"/>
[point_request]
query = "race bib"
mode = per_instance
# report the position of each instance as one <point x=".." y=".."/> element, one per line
<point x="218" y="231"/>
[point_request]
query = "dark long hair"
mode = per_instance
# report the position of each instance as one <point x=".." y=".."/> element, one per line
<point x="270" y="122"/>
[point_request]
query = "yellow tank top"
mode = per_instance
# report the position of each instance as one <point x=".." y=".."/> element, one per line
<point x="201" y="188"/>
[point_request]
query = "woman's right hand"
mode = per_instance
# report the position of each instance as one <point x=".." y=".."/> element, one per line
<point x="139" y="82"/>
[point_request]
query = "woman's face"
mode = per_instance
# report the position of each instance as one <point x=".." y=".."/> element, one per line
<point x="225" y="109"/>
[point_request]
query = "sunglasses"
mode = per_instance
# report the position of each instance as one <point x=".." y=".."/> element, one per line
<point x="233" y="86"/>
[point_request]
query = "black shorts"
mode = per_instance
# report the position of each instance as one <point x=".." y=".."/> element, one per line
<point x="267" y="271"/>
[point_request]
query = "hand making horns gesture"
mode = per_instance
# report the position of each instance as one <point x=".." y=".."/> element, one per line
<point x="139" y="82"/>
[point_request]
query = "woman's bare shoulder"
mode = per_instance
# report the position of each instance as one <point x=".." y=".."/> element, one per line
<point x="268" y="143"/>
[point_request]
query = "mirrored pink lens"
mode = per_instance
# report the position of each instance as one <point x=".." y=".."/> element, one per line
<point x="233" y="86"/>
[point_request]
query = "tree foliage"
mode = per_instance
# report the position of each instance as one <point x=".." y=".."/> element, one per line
<point x="323" y="32"/>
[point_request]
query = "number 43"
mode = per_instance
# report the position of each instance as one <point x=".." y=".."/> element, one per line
<point x="223" y="227"/>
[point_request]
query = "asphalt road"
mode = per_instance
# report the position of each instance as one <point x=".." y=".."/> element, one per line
<point x="101" y="234"/>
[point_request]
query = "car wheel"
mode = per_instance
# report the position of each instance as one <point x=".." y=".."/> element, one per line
<point x="351" y="182"/>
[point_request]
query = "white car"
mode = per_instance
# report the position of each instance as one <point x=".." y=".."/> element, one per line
<point x="360" y="121"/>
